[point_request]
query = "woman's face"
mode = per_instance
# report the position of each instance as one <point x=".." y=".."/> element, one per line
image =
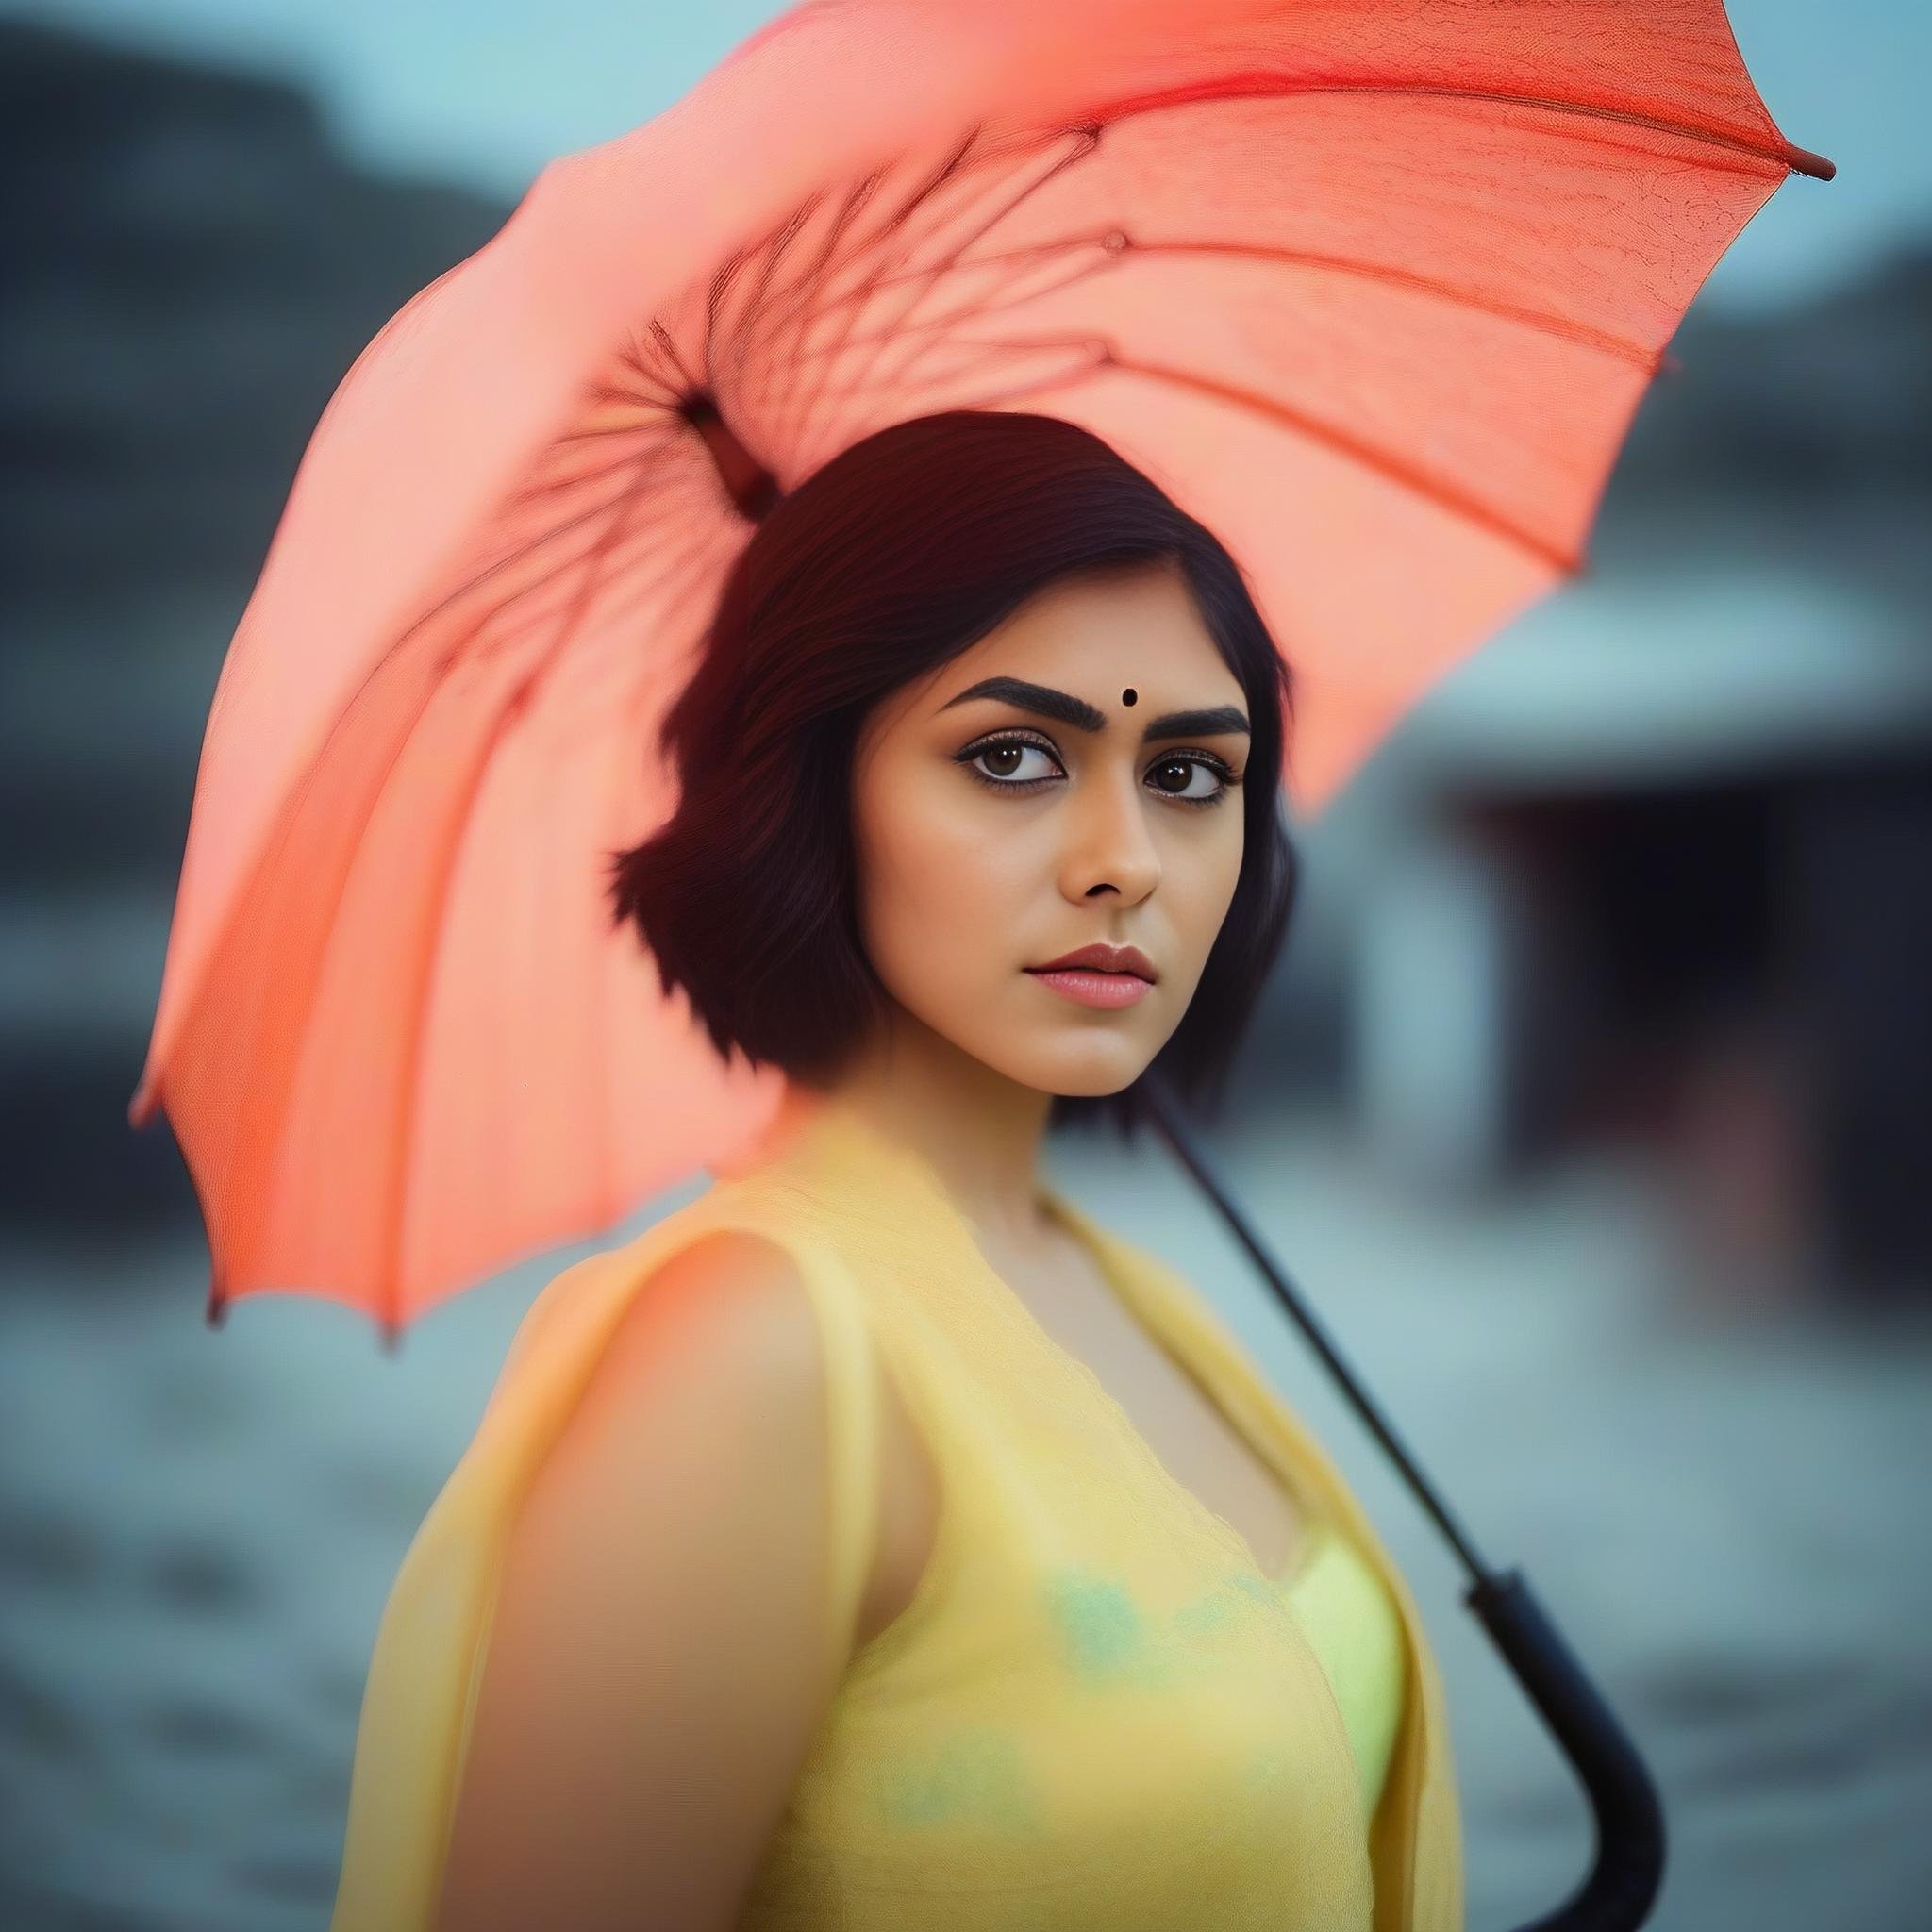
<point x="999" y="829"/>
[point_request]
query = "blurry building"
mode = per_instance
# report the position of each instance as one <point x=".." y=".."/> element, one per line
<point x="1669" y="880"/>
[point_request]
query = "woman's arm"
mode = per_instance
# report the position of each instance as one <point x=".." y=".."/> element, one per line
<point x="657" y="1662"/>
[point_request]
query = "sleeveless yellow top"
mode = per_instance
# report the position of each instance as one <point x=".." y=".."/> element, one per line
<point x="1096" y="1711"/>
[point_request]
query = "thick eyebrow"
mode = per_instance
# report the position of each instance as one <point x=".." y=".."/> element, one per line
<point x="1065" y="708"/>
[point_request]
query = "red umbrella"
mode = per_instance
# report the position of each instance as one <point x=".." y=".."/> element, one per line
<point x="1371" y="288"/>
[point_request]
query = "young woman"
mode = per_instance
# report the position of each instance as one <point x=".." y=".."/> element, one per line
<point x="877" y="1542"/>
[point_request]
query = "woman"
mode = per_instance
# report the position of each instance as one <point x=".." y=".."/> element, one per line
<point x="877" y="1542"/>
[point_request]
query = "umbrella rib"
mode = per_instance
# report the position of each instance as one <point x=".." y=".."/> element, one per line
<point x="396" y="1205"/>
<point x="603" y="1108"/>
<point x="982" y="351"/>
<point x="761" y="331"/>
<point x="1014" y="264"/>
<point x="985" y="222"/>
<point x="795" y="294"/>
<point x="748" y="344"/>
<point x="506" y="712"/>
<point x="665" y="585"/>
<point x="269" y="854"/>
<point x="1540" y="320"/>
<point x="913" y="343"/>
<point x="497" y="565"/>
<point x="772" y="248"/>
<point x="695" y="553"/>
<point x="1252" y="86"/>
<point x="267" y="857"/>
<point x="797" y="308"/>
<point x="661" y="337"/>
<point x="621" y="505"/>
<point x="479" y="643"/>
<point x="857" y="199"/>
<point x="1020" y="258"/>
<point x="1714" y="164"/>
<point x="647" y="588"/>
<point x="1368" y="454"/>
<point x="791" y="426"/>
<point x="630" y="355"/>
<point x="544" y="490"/>
<point x="799" y="420"/>
<point x="1093" y="355"/>
<point x="635" y="552"/>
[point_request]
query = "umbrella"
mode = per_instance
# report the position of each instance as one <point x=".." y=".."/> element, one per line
<point x="1372" y="286"/>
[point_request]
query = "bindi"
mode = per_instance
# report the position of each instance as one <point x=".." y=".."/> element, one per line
<point x="1128" y="697"/>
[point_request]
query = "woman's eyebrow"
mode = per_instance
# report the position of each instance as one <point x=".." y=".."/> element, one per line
<point x="1065" y="708"/>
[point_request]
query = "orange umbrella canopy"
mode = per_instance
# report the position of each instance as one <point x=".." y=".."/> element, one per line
<point x="1371" y="286"/>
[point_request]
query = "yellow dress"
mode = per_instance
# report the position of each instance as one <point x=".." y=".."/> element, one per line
<point x="1096" y="1711"/>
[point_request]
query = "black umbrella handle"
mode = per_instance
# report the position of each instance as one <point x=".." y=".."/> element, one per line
<point x="1624" y="1882"/>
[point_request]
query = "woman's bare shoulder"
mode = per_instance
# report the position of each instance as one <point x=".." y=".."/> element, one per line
<point x="658" y="1662"/>
<point x="729" y="1271"/>
<point x="732" y="1300"/>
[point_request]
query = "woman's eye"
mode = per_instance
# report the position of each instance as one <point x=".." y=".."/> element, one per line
<point x="1019" y="764"/>
<point x="1180" y="777"/>
<point x="1015" y="761"/>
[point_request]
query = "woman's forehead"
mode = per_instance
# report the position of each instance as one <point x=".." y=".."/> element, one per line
<point x="1095" y="641"/>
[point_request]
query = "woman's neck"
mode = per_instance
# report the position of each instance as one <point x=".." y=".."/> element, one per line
<point x="980" y="1131"/>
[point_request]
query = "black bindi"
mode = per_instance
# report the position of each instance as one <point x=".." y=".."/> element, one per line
<point x="1128" y="695"/>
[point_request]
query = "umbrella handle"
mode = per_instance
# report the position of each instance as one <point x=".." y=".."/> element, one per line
<point x="1624" y="1882"/>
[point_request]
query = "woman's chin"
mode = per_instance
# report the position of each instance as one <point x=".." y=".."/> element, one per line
<point x="1088" y="1074"/>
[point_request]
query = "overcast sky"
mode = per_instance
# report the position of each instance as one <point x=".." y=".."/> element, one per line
<point x="486" y="92"/>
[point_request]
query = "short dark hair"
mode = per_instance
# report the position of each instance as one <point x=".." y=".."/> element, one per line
<point x="901" y="553"/>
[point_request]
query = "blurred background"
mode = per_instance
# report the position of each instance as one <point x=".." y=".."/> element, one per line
<point x="1590" y="1104"/>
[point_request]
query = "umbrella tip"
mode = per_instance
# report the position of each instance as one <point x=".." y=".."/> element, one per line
<point x="1806" y="162"/>
<point x="391" y="1338"/>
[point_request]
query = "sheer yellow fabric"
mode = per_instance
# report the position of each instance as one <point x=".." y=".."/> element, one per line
<point x="1096" y="1711"/>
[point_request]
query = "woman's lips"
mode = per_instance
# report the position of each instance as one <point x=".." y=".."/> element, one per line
<point x="1091" y="987"/>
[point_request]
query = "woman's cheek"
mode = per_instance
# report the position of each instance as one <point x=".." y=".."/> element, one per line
<point x="922" y="921"/>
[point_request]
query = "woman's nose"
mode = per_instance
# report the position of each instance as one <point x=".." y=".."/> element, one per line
<point x="1109" y="844"/>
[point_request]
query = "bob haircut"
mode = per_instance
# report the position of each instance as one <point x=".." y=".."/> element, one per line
<point x="896" y="557"/>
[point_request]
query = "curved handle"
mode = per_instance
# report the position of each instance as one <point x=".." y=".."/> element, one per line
<point x="1623" y="1884"/>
